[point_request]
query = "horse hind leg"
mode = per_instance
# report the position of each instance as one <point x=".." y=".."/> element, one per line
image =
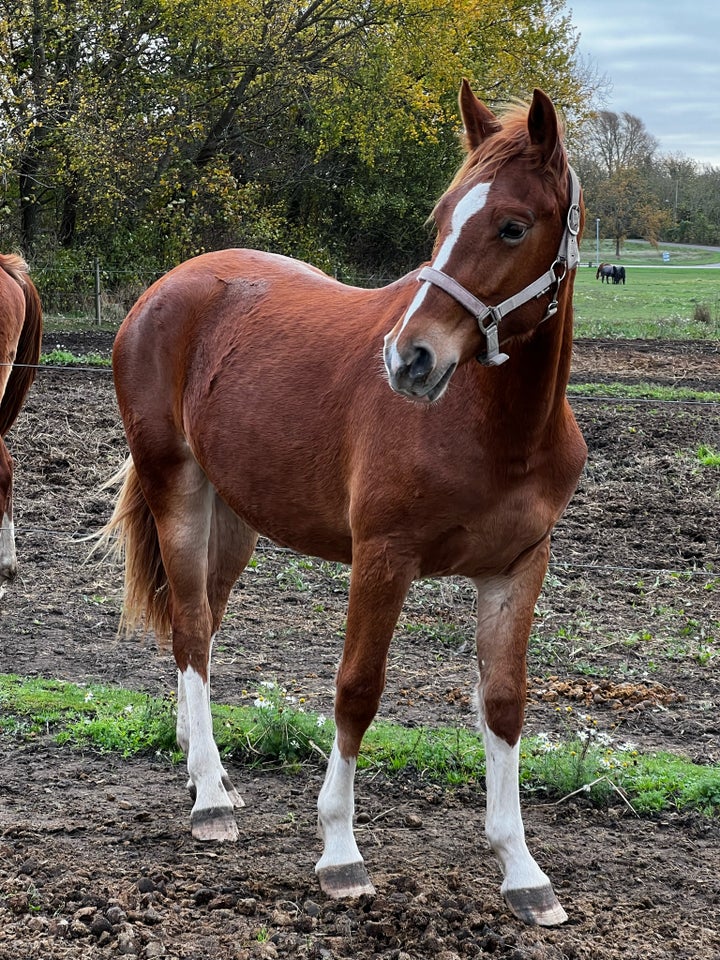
<point x="186" y="513"/>
<point x="230" y="547"/>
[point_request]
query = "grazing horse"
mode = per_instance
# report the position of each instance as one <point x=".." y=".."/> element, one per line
<point x="260" y="396"/>
<point x="20" y="345"/>
<point x="606" y="272"/>
<point x="619" y="275"/>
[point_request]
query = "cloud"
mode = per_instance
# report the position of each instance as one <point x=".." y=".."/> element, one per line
<point x="661" y="59"/>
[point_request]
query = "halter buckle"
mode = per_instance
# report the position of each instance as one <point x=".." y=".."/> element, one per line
<point x="492" y="356"/>
<point x="573" y="219"/>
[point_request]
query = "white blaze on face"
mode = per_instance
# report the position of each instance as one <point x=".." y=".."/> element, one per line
<point x="472" y="203"/>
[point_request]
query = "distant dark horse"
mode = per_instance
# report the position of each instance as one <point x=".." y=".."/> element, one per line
<point x="608" y="272"/>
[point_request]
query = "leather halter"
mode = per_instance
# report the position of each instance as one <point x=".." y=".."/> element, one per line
<point x="567" y="258"/>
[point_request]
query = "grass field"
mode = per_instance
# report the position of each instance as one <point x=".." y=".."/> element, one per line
<point x="655" y="302"/>
<point x="678" y="300"/>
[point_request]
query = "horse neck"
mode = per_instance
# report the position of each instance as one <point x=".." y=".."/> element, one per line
<point x="523" y="401"/>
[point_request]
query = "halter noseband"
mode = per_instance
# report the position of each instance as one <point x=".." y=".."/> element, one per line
<point x="568" y="257"/>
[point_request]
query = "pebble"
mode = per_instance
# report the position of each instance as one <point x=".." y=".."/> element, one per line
<point x="155" y="949"/>
<point x="311" y="908"/>
<point x="115" y="915"/>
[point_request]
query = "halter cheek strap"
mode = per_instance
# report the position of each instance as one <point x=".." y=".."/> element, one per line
<point x="568" y="257"/>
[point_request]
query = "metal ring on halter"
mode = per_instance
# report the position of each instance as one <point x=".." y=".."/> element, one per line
<point x="560" y="262"/>
<point x="573" y="219"/>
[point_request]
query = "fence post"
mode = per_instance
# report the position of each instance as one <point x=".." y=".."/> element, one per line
<point x="98" y="319"/>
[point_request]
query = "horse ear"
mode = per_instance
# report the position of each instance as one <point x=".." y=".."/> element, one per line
<point x="544" y="126"/>
<point x="479" y="121"/>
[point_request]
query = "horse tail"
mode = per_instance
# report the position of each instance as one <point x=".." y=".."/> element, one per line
<point x="131" y="535"/>
<point x="27" y="354"/>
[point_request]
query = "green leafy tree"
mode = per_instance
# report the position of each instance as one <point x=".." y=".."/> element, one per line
<point x="150" y="131"/>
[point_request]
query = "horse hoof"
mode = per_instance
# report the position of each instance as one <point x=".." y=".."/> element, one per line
<point x="215" y="823"/>
<point x="536" y="906"/>
<point x="346" y="880"/>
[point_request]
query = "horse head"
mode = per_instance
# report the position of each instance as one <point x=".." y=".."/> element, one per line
<point x="507" y="232"/>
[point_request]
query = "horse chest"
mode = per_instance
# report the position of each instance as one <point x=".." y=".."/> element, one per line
<point x="495" y="509"/>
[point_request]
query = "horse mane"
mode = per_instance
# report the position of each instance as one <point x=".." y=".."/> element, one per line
<point x="15" y="266"/>
<point x="511" y="140"/>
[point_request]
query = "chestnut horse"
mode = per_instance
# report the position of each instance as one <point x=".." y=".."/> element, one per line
<point x="254" y="393"/>
<point x="20" y="345"/>
<point x="606" y="272"/>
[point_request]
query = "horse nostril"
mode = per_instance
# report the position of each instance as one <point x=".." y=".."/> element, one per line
<point x="421" y="363"/>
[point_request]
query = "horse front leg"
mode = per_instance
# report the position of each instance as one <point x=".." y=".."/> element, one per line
<point x="505" y="611"/>
<point x="8" y="556"/>
<point x="376" y="598"/>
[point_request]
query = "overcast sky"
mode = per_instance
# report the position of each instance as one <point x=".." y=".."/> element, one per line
<point x="662" y="60"/>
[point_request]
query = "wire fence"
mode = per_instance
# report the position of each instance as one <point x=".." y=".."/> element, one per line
<point x="106" y="293"/>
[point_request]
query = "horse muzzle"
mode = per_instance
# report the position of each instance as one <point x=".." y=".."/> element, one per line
<point x="415" y="371"/>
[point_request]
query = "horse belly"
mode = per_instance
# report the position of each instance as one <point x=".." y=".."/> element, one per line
<point x="276" y="462"/>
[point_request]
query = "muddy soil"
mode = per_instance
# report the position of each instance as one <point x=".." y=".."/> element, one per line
<point x="96" y="859"/>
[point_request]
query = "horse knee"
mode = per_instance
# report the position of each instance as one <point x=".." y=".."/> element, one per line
<point x="502" y="706"/>
<point x="357" y="698"/>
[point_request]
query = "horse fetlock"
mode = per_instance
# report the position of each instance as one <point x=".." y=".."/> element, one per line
<point x="233" y="796"/>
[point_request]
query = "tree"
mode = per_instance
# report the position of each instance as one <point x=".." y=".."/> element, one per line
<point x="154" y="130"/>
<point x="615" y="161"/>
<point x="619" y="141"/>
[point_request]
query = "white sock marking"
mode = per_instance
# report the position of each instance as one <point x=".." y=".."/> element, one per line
<point x="336" y="805"/>
<point x="203" y="759"/>
<point x="503" y="823"/>
<point x="8" y="557"/>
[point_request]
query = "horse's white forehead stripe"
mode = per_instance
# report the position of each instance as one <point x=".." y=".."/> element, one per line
<point x="472" y="203"/>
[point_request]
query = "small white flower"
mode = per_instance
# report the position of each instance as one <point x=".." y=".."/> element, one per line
<point x="321" y="720"/>
<point x="128" y="708"/>
<point x="88" y="696"/>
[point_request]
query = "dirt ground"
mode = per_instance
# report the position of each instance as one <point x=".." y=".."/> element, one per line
<point x="96" y="858"/>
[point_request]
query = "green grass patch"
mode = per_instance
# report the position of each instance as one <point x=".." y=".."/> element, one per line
<point x="642" y="391"/>
<point x="65" y="358"/>
<point x="642" y="253"/>
<point x="708" y="456"/>
<point x="276" y="730"/>
<point x="656" y="302"/>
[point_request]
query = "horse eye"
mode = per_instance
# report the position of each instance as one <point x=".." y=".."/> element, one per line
<point x="512" y="231"/>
